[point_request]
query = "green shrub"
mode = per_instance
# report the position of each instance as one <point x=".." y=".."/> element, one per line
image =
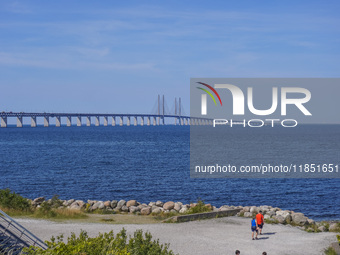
<point x="11" y="200"/>
<point x="106" y="243"/>
<point x="199" y="208"/>
<point x="330" y="251"/>
<point x="338" y="237"/>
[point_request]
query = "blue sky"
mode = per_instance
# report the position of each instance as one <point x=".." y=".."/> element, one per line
<point x="116" y="56"/>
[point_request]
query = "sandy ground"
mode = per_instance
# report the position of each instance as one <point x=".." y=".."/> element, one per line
<point x="216" y="236"/>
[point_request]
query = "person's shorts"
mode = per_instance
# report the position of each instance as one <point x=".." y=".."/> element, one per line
<point x="253" y="229"/>
<point x="260" y="226"/>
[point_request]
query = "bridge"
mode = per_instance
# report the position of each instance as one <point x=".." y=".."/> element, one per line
<point x="106" y="119"/>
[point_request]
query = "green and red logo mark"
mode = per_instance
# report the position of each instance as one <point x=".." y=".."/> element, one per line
<point x="209" y="93"/>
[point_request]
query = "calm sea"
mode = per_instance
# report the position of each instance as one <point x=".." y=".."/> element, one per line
<point x="146" y="164"/>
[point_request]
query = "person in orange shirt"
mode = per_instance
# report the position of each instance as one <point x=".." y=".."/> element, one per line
<point x="260" y="221"/>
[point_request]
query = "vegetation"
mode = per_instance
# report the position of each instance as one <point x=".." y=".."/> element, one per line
<point x="15" y="205"/>
<point x="330" y="251"/>
<point x="106" y="243"/>
<point x="13" y="202"/>
<point x="338" y="237"/>
<point x="200" y="207"/>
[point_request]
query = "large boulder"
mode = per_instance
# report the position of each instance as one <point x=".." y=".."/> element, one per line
<point x="177" y="207"/>
<point x="299" y="219"/>
<point x="146" y="211"/>
<point x="156" y="210"/>
<point x="120" y="204"/>
<point x="98" y="205"/>
<point x="184" y="209"/>
<point x="38" y="201"/>
<point x="246" y="209"/>
<point x="248" y="214"/>
<point x="124" y="208"/>
<point x="107" y="204"/>
<point x="133" y="209"/>
<point x="113" y="204"/>
<point x="334" y="227"/>
<point x="254" y="209"/>
<point x="159" y="203"/>
<point x="286" y="216"/>
<point x="131" y="203"/>
<point x="169" y="205"/>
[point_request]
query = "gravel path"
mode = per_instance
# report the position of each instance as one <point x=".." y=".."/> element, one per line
<point x="216" y="236"/>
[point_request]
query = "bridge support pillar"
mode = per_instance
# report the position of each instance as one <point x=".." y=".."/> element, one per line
<point x="186" y="121"/>
<point x="148" y="122"/>
<point x="57" y="121"/>
<point x="113" y="120"/>
<point x="79" y="121"/>
<point x="97" y="121"/>
<point x="121" y="121"/>
<point x="19" y="121"/>
<point x="181" y="121"/>
<point x="68" y="121"/>
<point x="135" y="123"/>
<point x="154" y="121"/>
<point x="33" y="121"/>
<point x="128" y="121"/>
<point x="88" y="121"/>
<point x="3" y="122"/>
<point x="105" y="121"/>
<point x="142" y="121"/>
<point x="46" y="121"/>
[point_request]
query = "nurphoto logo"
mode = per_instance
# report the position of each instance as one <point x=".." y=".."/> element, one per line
<point x="238" y="104"/>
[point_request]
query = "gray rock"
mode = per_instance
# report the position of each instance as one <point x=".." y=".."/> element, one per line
<point x="184" y="209"/>
<point x="169" y="205"/>
<point x="248" y="214"/>
<point x="98" y="205"/>
<point x="69" y="202"/>
<point x="173" y="211"/>
<point x="159" y="203"/>
<point x="311" y="222"/>
<point x="38" y="201"/>
<point x="114" y="204"/>
<point x="152" y="204"/>
<point x="266" y="216"/>
<point x="91" y="202"/>
<point x="322" y="228"/>
<point x="146" y="211"/>
<point x="75" y="206"/>
<point x="124" y="208"/>
<point x="133" y="209"/>
<point x="280" y="219"/>
<point x="120" y="204"/>
<point x="271" y="213"/>
<point x="246" y="209"/>
<point x="253" y="209"/>
<point x="177" y="207"/>
<point x="157" y="210"/>
<point x="286" y="216"/>
<point x="299" y="218"/>
<point x="333" y="227"/>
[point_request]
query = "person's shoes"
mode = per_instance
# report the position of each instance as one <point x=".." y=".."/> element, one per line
<point x="260" y="233"/>
<point x="256" y="238"/>
<point x="253" y="239"/>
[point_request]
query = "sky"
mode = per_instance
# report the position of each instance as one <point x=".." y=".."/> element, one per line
<point x="117" y="56"/>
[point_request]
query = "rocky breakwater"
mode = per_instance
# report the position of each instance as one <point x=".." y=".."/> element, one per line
<point x="276" y="215"/>
<point x="272" y="215"/>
